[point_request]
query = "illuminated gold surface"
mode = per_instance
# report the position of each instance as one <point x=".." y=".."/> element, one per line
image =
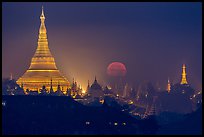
<point x="42" y="68"/>
<point x="168" y="86"/>
<point x="183" y="80"/>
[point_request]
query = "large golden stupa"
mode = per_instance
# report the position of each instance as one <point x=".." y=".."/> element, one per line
<point x="42" y="70"/>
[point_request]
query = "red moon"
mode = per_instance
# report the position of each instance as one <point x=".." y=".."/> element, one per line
<point x="116" y="69"/>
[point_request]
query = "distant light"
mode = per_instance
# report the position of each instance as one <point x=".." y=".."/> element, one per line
<point x="199" y="92"/>
<point x="83" y="91"/>
<point x="131" y="102"/>
<point x="146" y="95"/>
<point x="115" y="124"/>
<point x="117" y="95"/>
<point x="4" y="103"/>
<point x="194" y="95"/>
<point x="109" y="87"/>
<point x="137" y="98"/>
<point x="136" y="114"/>
<point x="87" y="122"/>
<point x="102" y="101"/>
<point x="124" y="123"/>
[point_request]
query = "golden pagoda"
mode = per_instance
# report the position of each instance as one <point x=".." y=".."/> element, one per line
<point x="42" y="68"/>
<point x="183" y="79"/>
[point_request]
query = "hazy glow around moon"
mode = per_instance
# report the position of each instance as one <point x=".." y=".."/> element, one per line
<point x="116" y="69"/>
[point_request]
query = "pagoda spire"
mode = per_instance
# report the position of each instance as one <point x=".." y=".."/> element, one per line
<point x="95" y="79"/>
<point x="88" y="84"/>
<point x="42" y="55"/>
<point x="42" y="31"/>
<point x="42" y="14"/>
<point x="168" y="86"/>
<point x="51" y="89"/>
<point x="58" y="87"/>
<point x="183" y="80"/>
<point x="11" y="77"/>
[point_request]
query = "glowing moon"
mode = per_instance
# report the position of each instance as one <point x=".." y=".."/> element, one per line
<point x="116" y="69"/>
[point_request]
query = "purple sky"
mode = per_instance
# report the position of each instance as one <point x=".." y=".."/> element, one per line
<point x="153" y="40"/>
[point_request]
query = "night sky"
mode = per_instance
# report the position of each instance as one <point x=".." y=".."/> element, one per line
<point x="153" y="40"/>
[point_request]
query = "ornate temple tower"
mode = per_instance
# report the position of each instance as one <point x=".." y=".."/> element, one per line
<point x="183" y="80"/>
<point x="42" y="67"/>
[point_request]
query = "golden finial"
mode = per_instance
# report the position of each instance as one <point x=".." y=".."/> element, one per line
<point x="42" y="14"/>
<point x="184" y="66"/>
<point x="95" y="78"/>
<point x="183" y="79"/>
